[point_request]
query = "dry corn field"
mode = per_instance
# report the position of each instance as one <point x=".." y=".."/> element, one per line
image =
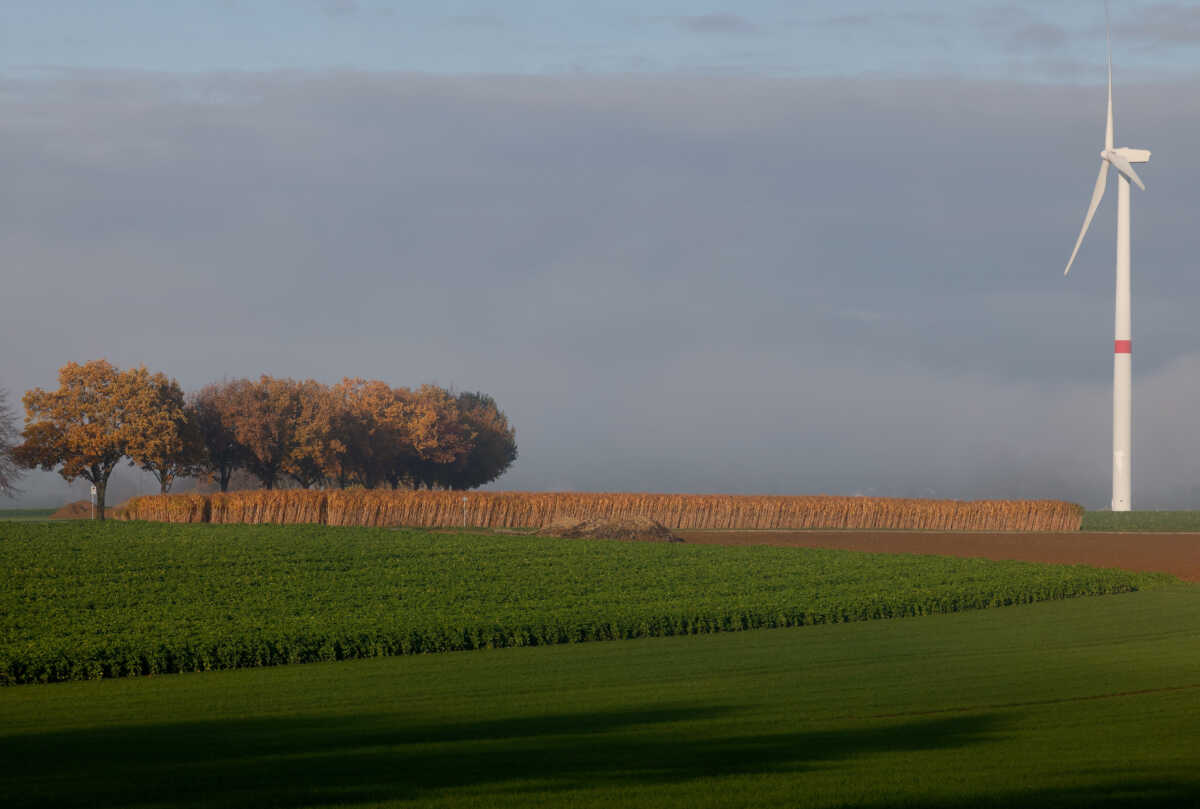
<point x="534" y="509"/>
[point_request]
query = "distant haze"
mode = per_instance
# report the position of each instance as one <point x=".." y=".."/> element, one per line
<point x="669" y="283"/>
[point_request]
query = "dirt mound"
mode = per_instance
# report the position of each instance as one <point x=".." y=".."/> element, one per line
<point x="79" y="510"/>
<point x="637" y="529"/>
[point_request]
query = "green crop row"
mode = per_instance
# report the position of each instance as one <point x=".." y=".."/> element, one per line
<point x="88" y="600"/>
<point x="1141" y="521"/>
<point x="25" y="513"/>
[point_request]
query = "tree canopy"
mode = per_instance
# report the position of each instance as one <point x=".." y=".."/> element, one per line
<point x="98" y="415"/>
<point x="162" y="439"/>
<point x="282" y="431"/>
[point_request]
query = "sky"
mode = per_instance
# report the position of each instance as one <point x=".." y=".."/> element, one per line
<point x="1032" y="41"/>
<point x="748" y="249"/>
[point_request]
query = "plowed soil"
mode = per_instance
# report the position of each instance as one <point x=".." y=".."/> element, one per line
<point x="1171" y="553"/>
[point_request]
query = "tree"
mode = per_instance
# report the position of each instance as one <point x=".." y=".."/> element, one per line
<point x="378" y="448"/>
<point x="439" y="437"/>
<point x="493" y="450"/>
<point x="212" y="411"/>
<point x="84" y="427"/>
<point x="10" y="470"/>
<point x="162" y="439"/>
<point x="318" y="447"/>
<point x="265" y="415"/>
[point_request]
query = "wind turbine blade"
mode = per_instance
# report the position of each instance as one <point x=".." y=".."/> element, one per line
<point x="1108" y="122"/>
<point x="1122" y="165"/>
<point x="1097" y="193"/>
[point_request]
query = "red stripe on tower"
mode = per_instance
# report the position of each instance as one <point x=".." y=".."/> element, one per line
<point x="1123" y="347"/>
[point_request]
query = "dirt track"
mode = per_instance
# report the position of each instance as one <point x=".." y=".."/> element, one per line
<point x="1173" y="553"/>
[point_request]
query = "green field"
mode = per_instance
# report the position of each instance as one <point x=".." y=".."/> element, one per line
<point x="88" y="600"/>
<point x="1080" y="703"/>
<point x="1068" y="702"/>
<point x="1141" y="521"/>
<point x="25" y="514"/>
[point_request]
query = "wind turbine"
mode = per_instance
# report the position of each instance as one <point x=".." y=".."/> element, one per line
<point x="1121" y="159"/>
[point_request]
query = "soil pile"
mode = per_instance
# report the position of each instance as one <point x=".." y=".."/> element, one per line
<point x="636" y="529"/>
<point x="79" y="510"/>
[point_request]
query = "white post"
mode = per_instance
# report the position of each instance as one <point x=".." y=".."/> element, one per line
<point x="1122" y="362"/>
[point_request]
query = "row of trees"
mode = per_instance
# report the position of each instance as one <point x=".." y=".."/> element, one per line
<point x="281" y="431"/>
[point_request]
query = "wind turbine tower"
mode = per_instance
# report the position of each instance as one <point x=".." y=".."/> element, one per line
<point x="1121" y="159"/>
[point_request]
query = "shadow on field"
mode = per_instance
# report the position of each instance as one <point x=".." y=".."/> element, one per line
<point x="299" y="761"/>
<point x="292" y="762"/>
<point x="1137" y="793"/>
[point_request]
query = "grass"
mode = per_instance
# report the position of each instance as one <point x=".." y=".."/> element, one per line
<point x="1078" y="703"/>
<point x="85" y="600"/>
<point x="25" y="514"/>
<point x="1141" y="521"/>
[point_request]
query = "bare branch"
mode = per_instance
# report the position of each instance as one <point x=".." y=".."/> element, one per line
<point x="10" y="472"/>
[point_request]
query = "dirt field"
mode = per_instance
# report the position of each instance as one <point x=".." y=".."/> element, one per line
<point x="1173" y="553"/>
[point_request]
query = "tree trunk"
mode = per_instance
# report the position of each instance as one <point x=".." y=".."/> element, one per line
<point x="101" y="486"/>
<point x="165" y="479"/>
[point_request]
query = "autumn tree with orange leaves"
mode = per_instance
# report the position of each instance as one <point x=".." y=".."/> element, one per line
<point x="265" y="415"/>
<point x="85" y="428"/>
<point x="318" y="446"/>
<point x="439" y="436"/>
<point x="162" y="439"/>
<point x="367" y="433"/>
<point x="374" y="432"/>
<point x="282" y="431"/>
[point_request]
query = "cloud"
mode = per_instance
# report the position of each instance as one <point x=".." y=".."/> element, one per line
<point x="871" y="20"/>
<point x="716" y="23"/>
<point x="1020" y="30"/>
<point x="1163" y="24"/>
<point x="673" y="283"/>
<point x="1037" y="36"/>
<point x="849" y="21"/>
<point x="340" y="8"/>
<point x="484" y="21"/>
